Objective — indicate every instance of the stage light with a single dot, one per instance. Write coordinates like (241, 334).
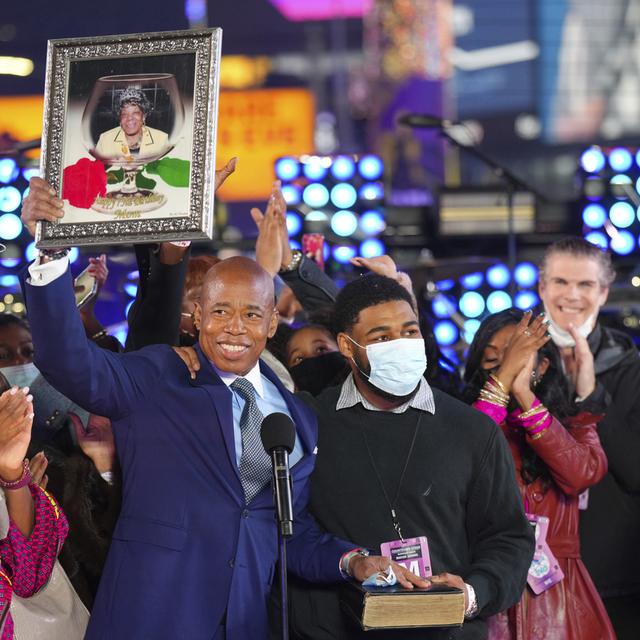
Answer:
(472, 280)
(74, 254)
(131, 289)
(287, 169)
(442, 306)
(126, 311)
(623, 243)
(498, 276)
(594, 215)
(9, 281)
(470, 328)
(294, 223)
(372, 248)
(10, 199)
(291, 194)
(598, 238)
(592, 160)
(526, 300)
(498, 301)
(446, 332)
(343, 253)
(294, 244)
(371, 191)
(445, 285)
(622, 214)
(343, 168)
(344, 223)
(315, 195)
(471, 304)
(10, 226)
(594, 188)
(315, 168)
(25, 193)
(621, 185)
(9, 263)
(372, 223)
(8, 170)
(526, 274)
(620, 159)
(316, 216)
(343, 195)
(370, 167)
(30, 172)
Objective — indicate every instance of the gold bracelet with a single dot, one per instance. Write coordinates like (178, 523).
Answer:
(534, 411)
(101, 334)
(493, 399)
(535, 436)
(539, 423)
(495, 378)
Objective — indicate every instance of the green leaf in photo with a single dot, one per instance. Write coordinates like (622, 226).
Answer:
(143, 182)
(173, 171)
(115, 176)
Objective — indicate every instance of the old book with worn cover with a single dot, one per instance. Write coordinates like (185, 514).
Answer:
(399, 608)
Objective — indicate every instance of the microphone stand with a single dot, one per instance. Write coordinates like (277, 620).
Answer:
(284, 604)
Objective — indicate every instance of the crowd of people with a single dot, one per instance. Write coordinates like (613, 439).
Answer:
(520, 473)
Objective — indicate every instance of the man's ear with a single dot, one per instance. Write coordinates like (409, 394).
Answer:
(273, 323)
(197, 315)
(604, 294)
(345, 345)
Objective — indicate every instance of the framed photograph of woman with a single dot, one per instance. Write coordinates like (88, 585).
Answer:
(129, 137)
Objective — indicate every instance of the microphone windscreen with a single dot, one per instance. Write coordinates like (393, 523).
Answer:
(278, 430)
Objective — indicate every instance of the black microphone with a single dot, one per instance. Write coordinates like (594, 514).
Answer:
(426, 121)
(278, 434)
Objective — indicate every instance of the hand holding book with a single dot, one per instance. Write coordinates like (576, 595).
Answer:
(361, 567)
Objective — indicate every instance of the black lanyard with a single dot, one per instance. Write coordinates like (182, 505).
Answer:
(392, 505)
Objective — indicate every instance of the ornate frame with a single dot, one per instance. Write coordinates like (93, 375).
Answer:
(198, 225)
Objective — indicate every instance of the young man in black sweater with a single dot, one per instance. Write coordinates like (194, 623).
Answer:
(396, 458)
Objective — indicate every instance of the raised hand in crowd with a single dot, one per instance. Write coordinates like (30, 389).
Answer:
(16, 419)
(385, 266)
(96, 441)
(578, 365)
(528, 337)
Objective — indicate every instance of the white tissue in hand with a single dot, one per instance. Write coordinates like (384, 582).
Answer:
(381, 579)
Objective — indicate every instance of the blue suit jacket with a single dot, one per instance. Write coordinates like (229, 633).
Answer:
(186, 549)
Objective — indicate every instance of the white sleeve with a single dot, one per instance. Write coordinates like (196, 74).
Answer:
(43, 274)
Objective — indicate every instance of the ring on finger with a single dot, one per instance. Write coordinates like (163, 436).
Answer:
(527, 333)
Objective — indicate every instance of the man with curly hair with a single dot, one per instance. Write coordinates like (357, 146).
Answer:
(132, 138)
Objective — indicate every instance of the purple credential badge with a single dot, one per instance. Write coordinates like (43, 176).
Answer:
(412, 553)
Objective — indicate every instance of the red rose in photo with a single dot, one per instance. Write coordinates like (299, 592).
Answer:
(83, 182)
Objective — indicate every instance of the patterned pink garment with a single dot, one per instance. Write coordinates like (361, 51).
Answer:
(27, 563)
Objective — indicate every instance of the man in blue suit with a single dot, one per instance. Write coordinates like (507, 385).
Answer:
(195, 547)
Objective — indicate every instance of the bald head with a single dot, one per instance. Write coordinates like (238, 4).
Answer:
(236, 314)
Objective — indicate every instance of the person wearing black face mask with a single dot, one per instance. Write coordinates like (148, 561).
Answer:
(514, 375)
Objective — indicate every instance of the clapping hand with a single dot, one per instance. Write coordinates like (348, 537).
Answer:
(96, 441)
(580, 368)
(272, 245)
(16, 418)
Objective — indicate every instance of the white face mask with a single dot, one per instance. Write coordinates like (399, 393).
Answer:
(396, 365)
(562, 338)
(20, 375)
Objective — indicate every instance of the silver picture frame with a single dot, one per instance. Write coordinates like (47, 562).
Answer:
(164, 189)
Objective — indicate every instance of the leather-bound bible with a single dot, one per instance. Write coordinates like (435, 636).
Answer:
(399, 608)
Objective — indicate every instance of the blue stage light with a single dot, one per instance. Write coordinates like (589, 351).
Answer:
(446, 332)
(315, 195)
(526, 300)
(372, 248)
(623, 243)
(498, 301)
(498, 276)
(315, 168)
(621, 185)
(30, 172)
(598, 238)
(371, 191)
(343, 195)
(287, 169)
(325, 252)
(291, 194)
(294, 223)
(316, 216)
(526, 274)
(10, 226)
(8, 170)
(622, 214)
(9, 281)
(343, 168)
(344, 223)
(74, 254)
(294, 244)
(445, 285)
(10, 199)
(9, 263)
(25, 193)
(131, 289)
(470, 328)
(472, 280)
(471, 304)
(442, 306)
(593, 160)
(31, 253)
(620, 159)
(343, 253)
(372, 222)
(370, 167)
(594, 215)
(126, 311)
